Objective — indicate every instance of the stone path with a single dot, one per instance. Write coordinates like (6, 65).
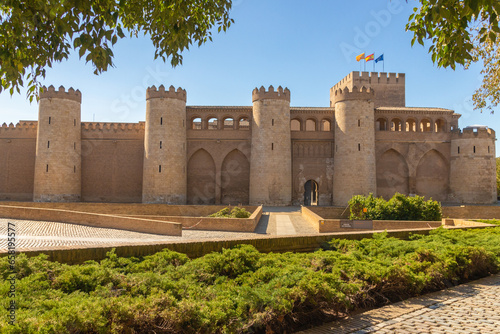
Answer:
(469, 308)
(284, 225)
(38, 235)
(284, 221)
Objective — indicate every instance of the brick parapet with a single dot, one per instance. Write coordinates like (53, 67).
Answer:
(51, 92)
(161, 93)
(262, 94)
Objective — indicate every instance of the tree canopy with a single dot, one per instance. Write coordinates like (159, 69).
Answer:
(463, 32)
(36, 33)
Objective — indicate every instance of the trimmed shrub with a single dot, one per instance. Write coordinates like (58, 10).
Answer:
(236, 212)
(241, 290)
(399, 207)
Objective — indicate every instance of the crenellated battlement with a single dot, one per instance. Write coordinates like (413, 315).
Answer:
(354, 94)
(280, 94)
(51, 92)
(371, 78)
(21, 126)
(473, 133)
(161, 93)
(115, 127)
(389, 87)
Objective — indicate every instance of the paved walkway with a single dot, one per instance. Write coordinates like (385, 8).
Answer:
(47, 235)
(469, 308)
(283, 221)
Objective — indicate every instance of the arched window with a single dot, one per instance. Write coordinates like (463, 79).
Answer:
(425, 125)
(411, 125)
(326, 125)
(381, 124)
(213, 123)
(396, 125)
(295, 124)
(228, 123)
(196, 123)
(310, 125)
(440, 126)
(243, 123)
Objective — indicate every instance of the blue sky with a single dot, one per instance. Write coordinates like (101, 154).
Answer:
(307, 46)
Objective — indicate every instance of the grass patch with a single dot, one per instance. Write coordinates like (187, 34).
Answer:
(241, 290)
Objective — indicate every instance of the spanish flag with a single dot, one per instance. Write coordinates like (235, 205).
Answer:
(370, 57)
(361, 56)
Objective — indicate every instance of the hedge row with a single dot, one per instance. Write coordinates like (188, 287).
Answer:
(240, 290)
(399, 207)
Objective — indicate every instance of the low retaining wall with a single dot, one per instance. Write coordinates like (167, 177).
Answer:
(131, 209)
(147, 218)
(458, 211)
(330, 212)
(92, 219)
(341, 225)
(193, 249)
(213, 224)
(472, 211)
(311, 217)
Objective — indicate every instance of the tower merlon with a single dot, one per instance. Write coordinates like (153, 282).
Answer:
(280, 94)
(161, 93)
(473, 133)
(355, 94)
(51, 92)
(371, 78)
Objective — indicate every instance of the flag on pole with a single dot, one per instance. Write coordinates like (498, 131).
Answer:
(379, 58)
(361, 56)
(369, 57)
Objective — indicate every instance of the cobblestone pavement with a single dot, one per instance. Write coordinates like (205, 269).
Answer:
(469, 308)
(38, 235)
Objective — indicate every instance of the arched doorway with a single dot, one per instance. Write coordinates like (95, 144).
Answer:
(310, 193)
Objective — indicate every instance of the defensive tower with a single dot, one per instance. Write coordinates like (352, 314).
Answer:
(354, 170)
(389, 88)
(473, 166)
(58, 148)
(271, 163)
(164, 175)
